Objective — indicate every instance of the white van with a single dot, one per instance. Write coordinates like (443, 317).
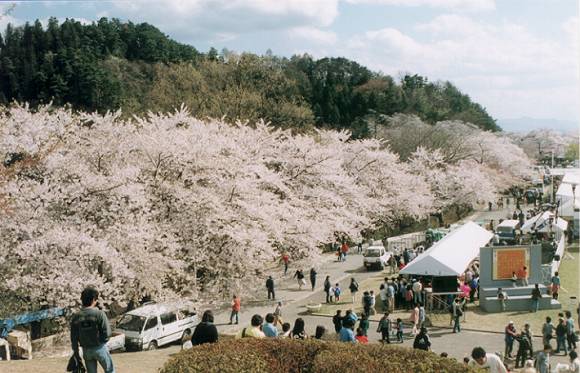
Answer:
(154, 325)
(376, 256)
(506, 231)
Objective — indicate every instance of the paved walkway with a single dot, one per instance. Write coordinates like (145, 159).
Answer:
(294, 301)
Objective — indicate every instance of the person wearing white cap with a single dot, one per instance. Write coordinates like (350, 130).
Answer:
(510, 336)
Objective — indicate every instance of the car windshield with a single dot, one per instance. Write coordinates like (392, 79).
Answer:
(131, 322)
(373, 253)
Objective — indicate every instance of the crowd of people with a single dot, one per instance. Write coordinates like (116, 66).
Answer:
(399, 293)
(90, 330)
(352, 328)
(564, 333)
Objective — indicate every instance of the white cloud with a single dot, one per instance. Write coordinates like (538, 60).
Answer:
(458, 5)
(393, 39)
(571, 28)
(6, 10)
(83, 21)
(504, 66)
(222, 37)
(200, 20)
(449, 24)
(5, 20)
(102, 14)
(313, 35)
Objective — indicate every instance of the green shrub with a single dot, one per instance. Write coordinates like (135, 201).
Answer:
(311, 356)
(348, 360)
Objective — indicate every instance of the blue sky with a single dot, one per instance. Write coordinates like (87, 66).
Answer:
(518, 58)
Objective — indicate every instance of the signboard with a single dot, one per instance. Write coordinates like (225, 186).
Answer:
(509, 259)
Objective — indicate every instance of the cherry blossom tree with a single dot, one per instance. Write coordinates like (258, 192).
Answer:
(167, 205)
(504, 162)
(464, 184)
(541, 143)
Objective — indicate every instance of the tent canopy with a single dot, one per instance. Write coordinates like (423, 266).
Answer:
(544, 222)
(452, 255)
(571, 177)
(565, 191)
(568, 208)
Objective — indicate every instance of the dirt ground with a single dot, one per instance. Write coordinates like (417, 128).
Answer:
(135, 362)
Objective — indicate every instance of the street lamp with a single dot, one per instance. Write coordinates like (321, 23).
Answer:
(571, 231)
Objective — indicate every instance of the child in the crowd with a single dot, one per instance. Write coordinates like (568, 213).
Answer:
(285, 330)
(337, 292)
(514, 279)
(400, 330)
(364, 323)
(361, 337)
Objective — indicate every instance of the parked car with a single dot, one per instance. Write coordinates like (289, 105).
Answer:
(154, 325)
(116, 342)
(376, 256)
(506, 230)
(537, 182)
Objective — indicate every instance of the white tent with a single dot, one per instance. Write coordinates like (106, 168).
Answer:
(451, 255)
(544, 222)
(565, 192)
(569, 201)
(569, 207)
(571, 177)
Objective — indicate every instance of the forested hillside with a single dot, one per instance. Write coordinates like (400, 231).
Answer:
(110, 64)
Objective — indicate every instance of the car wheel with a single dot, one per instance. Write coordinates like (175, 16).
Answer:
(152, 346)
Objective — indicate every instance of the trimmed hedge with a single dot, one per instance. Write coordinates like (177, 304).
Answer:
(272, 355)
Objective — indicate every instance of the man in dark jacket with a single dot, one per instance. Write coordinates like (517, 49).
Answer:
(205, 331)
(337, 321)
(524, 349)
(313, 274)
(90, 329)
(536, 296)
(270, 287)
(327, 286)
(422, 340)
(367, 302)
(385, 328)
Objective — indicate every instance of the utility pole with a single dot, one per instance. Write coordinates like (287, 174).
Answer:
(552, 195)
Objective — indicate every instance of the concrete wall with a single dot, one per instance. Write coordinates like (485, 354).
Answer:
(519, 297)
(486, 266)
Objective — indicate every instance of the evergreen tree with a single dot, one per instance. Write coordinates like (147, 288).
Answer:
(110, 64)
